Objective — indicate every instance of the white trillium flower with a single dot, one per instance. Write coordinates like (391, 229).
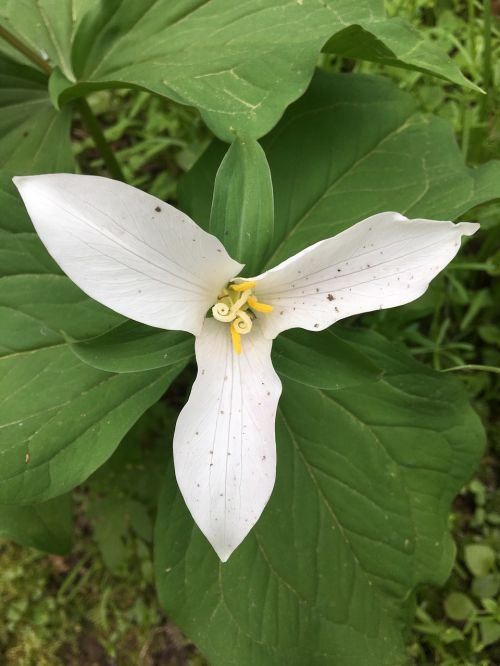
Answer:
(148, 261)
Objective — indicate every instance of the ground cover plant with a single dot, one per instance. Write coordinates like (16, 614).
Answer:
(379, 424)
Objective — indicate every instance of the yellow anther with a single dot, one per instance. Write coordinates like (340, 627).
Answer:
(237, 306)
(243, 286)
(259, 307)
(236, 339)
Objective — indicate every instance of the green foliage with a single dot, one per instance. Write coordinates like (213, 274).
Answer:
(358, 132)
(34, 137)
(394, 42)
(242, 210)
(46, 526)
(46, 622)
(154, 140)
(480, 559)
(61, 611)
(462, 27)
(372, 445)
(60, 419)
(332, 363)
(123, 493)
(337, 449)
(175, 50)
(133, 347)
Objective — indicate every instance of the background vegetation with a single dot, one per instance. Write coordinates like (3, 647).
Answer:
(98, 605)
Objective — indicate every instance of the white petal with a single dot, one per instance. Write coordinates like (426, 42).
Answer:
(383, 261)
(224, 441)
(127, 249)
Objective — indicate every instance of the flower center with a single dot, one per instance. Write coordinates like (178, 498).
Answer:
(236, 305)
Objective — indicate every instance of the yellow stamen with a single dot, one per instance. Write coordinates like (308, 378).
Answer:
(243, 286)
(259, 307)
(236, 339)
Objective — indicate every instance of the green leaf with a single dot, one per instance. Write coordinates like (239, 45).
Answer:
(490, 633)
(242, 214)
(60, 419)
(458, 606)
(357, 146)
(133, 347)
(486, 586)
(357, 520)
(240, 63)
(46, 526)
(46, 26)
(124, 492)
(111, 518)
(330, 362)
(34, 137)
(395, 42)
(480, 559)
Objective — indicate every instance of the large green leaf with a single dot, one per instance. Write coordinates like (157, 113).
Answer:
(366, 472)
(241, 63)
(123, 493)
(60, 419)
(330, 362)
(393, 42)
(353, 146)
(132, 347)
(47, 526)
(34, 137)
(357, 520)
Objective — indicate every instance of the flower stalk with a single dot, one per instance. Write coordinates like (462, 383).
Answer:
(95, 130)
(25, 50)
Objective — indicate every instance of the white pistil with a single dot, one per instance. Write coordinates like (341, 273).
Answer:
(242, 324)
(233, 308)
(222, 312)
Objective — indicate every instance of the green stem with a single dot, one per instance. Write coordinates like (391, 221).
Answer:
(466, 122)
(91, 123)
(472, 29)
(25, 50)
(472, 266)
(473, 366)
(487, 69)
(95, 131)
